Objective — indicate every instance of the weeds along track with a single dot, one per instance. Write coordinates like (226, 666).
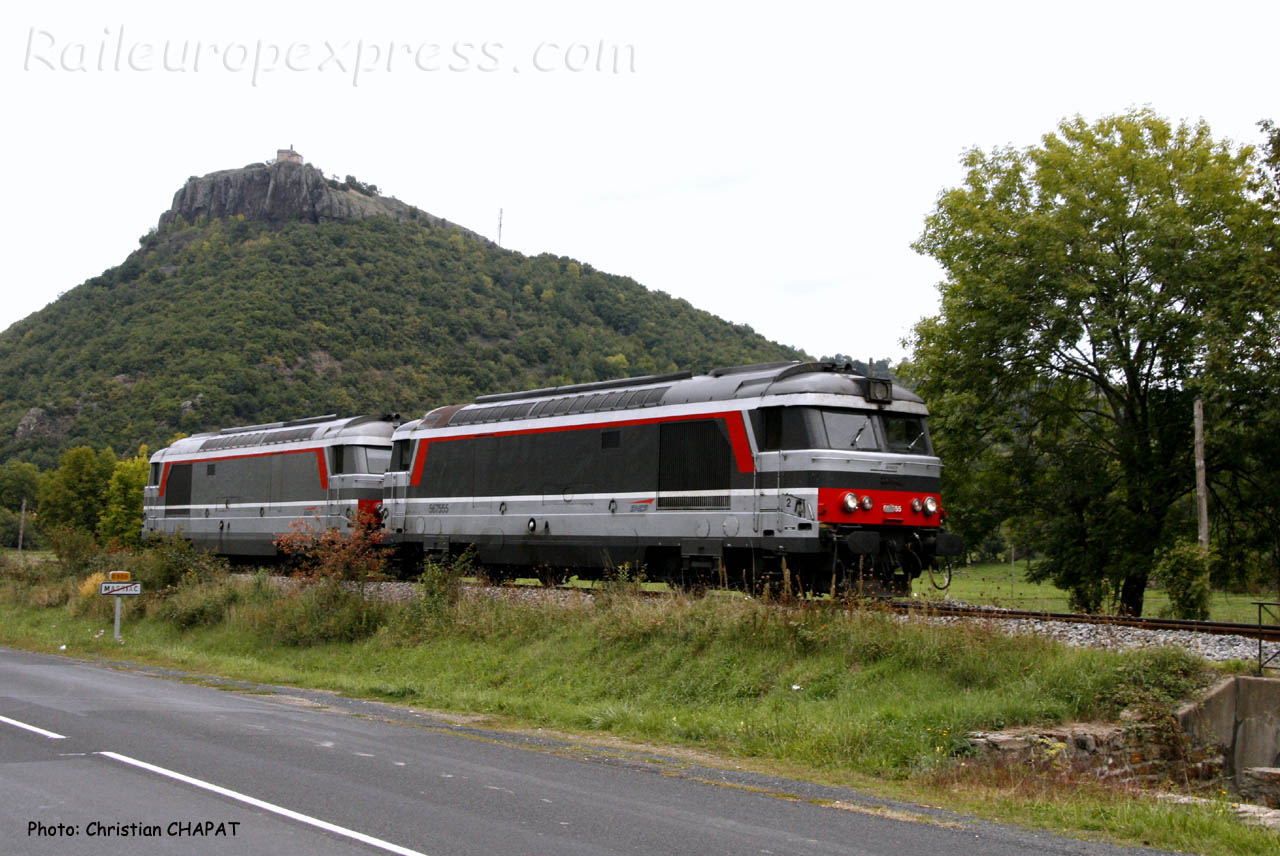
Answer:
(1264, 633)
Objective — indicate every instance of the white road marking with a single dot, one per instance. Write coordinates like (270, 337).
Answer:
(265, 806)
(39, 731)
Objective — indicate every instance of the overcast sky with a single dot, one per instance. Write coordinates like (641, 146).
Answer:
(770, 163)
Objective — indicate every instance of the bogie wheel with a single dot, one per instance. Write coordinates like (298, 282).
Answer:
(552, 577)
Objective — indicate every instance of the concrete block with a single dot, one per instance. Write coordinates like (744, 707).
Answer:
(1212, 720)
(1260, 786)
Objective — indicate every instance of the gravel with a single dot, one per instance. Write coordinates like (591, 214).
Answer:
(1211, 646)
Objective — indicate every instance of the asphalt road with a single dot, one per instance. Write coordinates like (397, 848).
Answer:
(94, 757)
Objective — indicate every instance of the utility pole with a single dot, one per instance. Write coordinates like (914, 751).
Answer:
(499, 227)
(1012, 553)
(1202, 491)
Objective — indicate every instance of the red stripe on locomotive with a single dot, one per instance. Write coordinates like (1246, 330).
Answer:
(736, 427)
(322, 466)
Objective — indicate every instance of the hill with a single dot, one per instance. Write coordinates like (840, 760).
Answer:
(272, 292)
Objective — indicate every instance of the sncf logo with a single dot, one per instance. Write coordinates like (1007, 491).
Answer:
(893, 509)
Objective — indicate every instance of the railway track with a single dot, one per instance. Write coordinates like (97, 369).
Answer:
(1264, 633)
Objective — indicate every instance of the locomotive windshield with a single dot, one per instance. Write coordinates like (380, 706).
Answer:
(849, 429)
(906, 434)
(835, 428)
(360, 459)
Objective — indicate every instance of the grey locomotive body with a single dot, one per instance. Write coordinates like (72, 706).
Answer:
(235, 492)
(803, 470)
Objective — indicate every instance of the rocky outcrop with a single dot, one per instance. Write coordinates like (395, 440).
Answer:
(37, 422)
(282, 192)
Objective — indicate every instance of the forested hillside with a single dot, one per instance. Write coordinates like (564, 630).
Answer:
(234, 320)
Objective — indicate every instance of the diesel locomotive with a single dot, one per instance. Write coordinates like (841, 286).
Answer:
(799, 474)
(236, 491)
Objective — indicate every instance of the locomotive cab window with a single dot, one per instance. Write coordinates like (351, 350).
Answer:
(401, 455)
(360, 459)
(906, 434)
(154, 479)
(849, 429)
(787, 428)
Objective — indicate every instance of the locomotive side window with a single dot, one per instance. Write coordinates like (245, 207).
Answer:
(906, 434)
(155, 475)
(401, 458)
(786, 428)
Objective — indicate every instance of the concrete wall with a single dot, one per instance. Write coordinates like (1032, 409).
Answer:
(1240, 717)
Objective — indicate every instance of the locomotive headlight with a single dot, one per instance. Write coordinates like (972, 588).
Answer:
(930, 506)
(867, 502)
(915, 505)
(850, 502)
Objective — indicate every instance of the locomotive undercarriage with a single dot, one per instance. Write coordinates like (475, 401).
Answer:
(842, 561)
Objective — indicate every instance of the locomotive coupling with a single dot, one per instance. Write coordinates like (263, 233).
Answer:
(863, 543)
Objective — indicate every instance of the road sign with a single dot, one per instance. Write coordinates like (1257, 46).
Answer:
(119, 576)
(120, 588)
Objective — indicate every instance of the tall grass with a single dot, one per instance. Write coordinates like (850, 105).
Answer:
(847, 692)
(858, 690)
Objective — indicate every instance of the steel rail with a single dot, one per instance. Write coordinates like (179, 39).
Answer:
(1267, 633)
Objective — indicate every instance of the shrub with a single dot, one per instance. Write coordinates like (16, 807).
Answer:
(164, 564)
(333, 555)
(438, 591)
(328, 611)
(199, 604)
(1183, 571)
(77, 552)
(87, 602)
(622, 581)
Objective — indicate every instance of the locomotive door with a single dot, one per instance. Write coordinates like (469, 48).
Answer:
(768, 494)
(777, 429)
(332, 507)
(399, 489)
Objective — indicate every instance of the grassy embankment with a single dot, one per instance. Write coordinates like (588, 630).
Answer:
(850, 697)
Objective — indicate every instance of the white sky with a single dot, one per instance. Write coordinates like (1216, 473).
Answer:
(770, 163)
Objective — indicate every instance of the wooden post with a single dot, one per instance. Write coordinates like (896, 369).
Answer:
(22, 522)
(1012, 554)
(1202, 491)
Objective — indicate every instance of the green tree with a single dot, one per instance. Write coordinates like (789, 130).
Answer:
(1243, 415)
(121, 517)
(71, 496)
(1093, 282)
(19, 480)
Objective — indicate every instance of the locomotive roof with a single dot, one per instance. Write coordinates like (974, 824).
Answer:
(294, 431)
(725, 384)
